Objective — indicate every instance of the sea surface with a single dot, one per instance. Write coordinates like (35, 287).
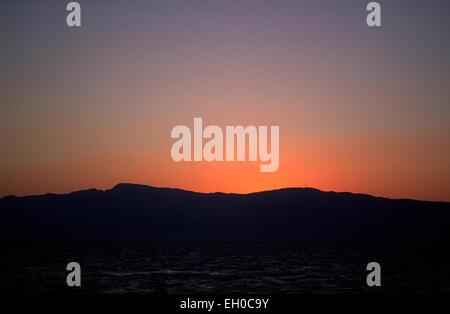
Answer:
(239, 267)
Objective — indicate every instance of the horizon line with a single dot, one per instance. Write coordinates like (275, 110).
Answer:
(218, 192)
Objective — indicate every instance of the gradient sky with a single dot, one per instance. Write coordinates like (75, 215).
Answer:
(360, 109)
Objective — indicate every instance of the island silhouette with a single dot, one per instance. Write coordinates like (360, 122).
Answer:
(132, 211)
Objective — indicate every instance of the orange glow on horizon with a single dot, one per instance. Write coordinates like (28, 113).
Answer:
(315, 162)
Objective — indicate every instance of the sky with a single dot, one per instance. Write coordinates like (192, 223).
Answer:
(360, 109)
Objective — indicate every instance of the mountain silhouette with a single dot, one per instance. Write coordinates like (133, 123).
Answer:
(130, 211)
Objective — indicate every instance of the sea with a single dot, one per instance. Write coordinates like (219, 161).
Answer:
(221, 267)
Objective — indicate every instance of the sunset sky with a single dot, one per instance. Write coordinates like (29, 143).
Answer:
(360, 109)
